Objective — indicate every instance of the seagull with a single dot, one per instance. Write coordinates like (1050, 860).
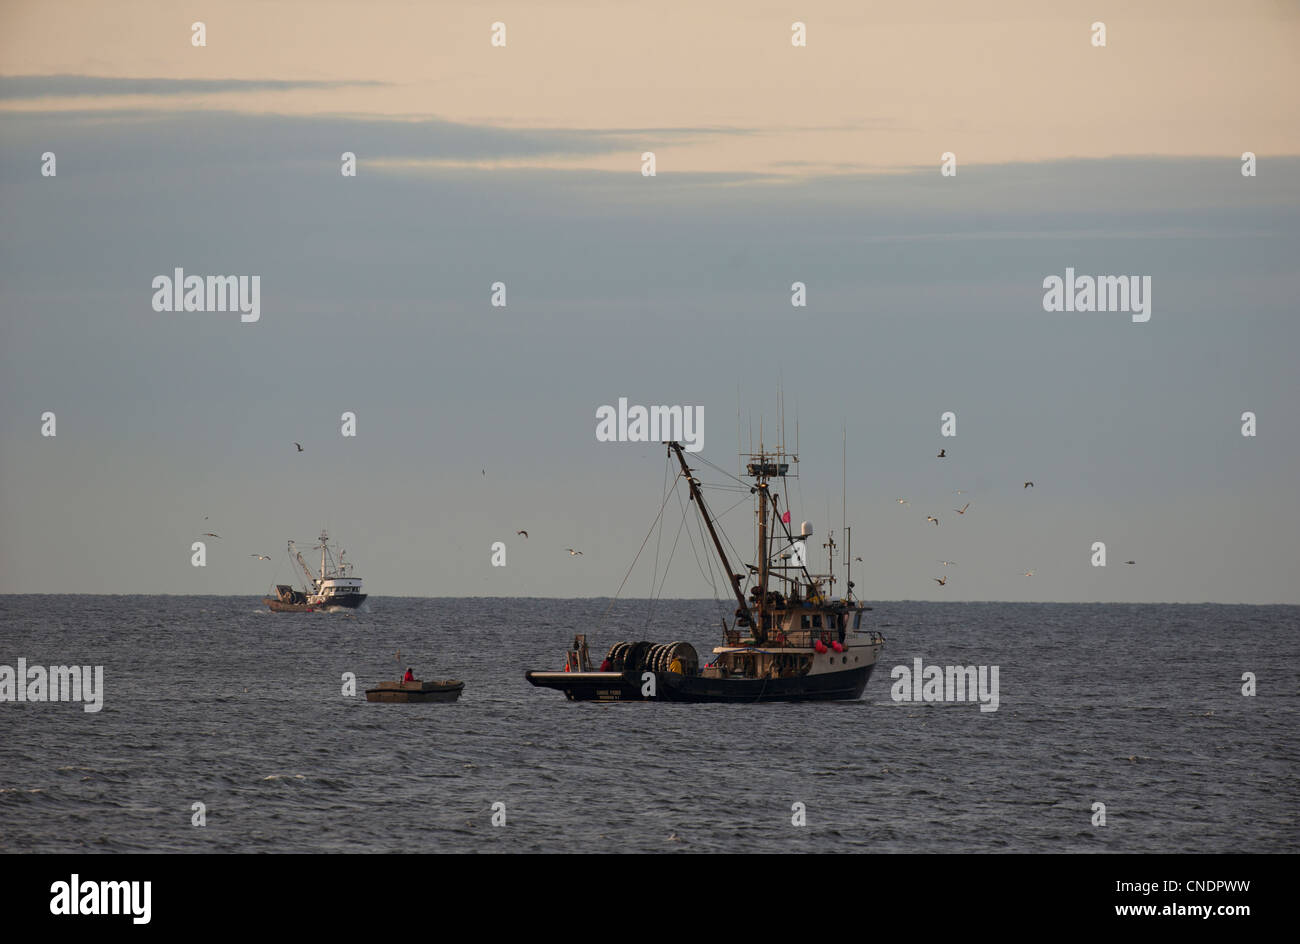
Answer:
(524, 533)
(1029, 485)
(484, 471)
(947, 563)
(902, 501)
(960, 491)
(932, 518)
(259, 556)
(857, 558)
(1027, 573)
(1130, 562)
(299, 445)
(940, 580)
(943, 454)
(962, 509)
(572, 552)
(209, 534)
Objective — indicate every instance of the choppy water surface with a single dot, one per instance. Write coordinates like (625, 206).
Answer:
(219, 701)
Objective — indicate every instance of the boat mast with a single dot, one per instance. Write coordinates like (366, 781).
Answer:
(698, 498)
(764, 550)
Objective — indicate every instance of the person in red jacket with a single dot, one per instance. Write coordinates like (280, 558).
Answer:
(409, 676)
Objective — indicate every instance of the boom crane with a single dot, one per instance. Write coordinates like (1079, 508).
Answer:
(296, 555)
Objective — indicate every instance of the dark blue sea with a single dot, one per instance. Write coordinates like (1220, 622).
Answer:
(215, 700)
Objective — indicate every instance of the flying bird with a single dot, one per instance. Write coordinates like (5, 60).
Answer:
(943, 454)
(572, 552)
(960, 491)
(209, 534)
(524, 533)
(1027, 573)
(940, 580)
(1130, 562)
(947, 563)
(857, 558)
(932, 518)
(259, 556)
(902, 501)
(962, 509)
(299, 445)
(1029, 485)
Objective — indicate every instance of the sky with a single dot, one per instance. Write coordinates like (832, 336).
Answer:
(522, 164)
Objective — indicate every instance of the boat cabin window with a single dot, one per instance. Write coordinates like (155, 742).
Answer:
(804, 621)
(817, 621)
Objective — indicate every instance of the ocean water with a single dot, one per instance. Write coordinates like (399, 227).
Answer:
(215, 700)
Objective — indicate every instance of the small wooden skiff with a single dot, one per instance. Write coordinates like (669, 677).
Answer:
(445, 690)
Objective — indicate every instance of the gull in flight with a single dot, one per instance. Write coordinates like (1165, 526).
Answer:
(962, 509)
(524, 533)
(943, 454)
(572, 552)
(857, 558)
(1027, 573)
(940, 580)
(209, 534)
(1029, 485)
(902, 501)
(1130, 562)
(259, 556)
(947, 563)
(932, 518)
(960, 491)
(299, 445)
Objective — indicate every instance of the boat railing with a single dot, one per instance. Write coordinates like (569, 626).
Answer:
(801, 638)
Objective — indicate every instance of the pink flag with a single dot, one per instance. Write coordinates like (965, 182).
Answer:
(786, 518)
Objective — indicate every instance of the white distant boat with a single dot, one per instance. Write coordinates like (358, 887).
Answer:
(335, 585)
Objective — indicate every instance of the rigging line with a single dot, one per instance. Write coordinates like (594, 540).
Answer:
(658, 541)
(600, 622)
(798, 483)
(717, 519)
(723, 471)
(790, 537)
(675, 540)
(685, 513)
(748, 489)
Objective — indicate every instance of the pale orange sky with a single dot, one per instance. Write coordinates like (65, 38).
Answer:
(879, 86)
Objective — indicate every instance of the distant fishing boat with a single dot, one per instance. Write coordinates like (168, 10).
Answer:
(416, 691)
(334, 586)
(789, 643)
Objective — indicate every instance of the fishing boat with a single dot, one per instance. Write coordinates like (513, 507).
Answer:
(334, 586)
(789, 639)
(416, 691)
